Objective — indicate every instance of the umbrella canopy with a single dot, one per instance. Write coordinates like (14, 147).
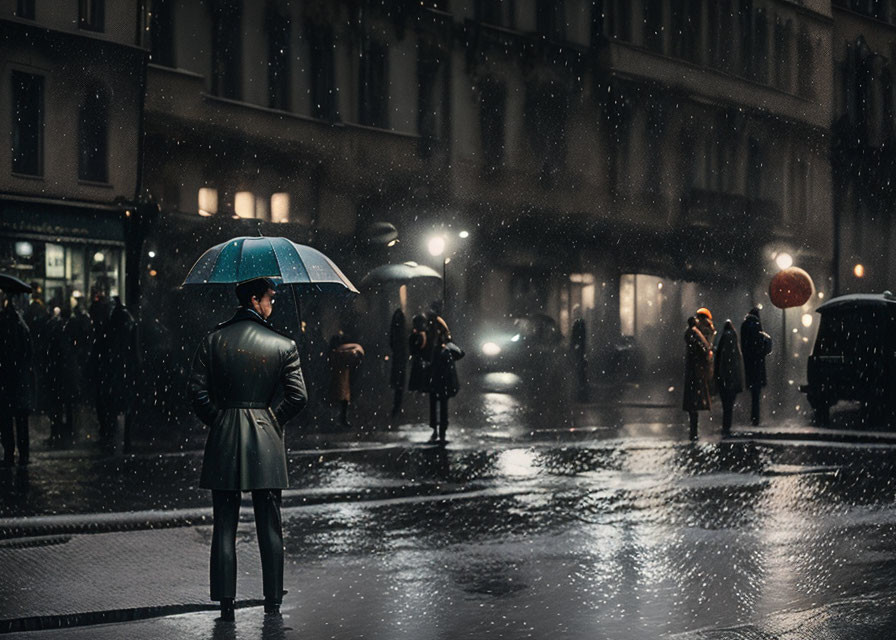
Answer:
(399, 273)
(11, 284)
(246, 258)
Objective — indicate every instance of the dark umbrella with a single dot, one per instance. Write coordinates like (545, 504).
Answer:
(399, 273)
(11, 284)
(246, 258)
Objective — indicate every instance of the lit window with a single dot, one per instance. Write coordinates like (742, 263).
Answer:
(280, 207)
(208, 201)
(244, 204)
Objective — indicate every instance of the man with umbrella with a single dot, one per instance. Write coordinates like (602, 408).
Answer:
(16, 374)
(236, 371)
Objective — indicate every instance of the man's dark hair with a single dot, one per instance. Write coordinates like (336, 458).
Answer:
(245, 291)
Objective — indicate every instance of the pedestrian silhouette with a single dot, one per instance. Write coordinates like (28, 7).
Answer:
(755, 345)
(728, 372)
(443, 382)
(236, 371)
(345, 356)
(116, 370)
(63, 377)
(697, 373)
(398, 343)
(16, 383)
(578, 351)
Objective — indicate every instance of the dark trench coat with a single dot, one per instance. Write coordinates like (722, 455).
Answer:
(697, 372)
(237, 370)
(753, 347)
(16, 362)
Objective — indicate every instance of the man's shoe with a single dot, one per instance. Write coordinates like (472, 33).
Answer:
(271, 608)
(227, 610)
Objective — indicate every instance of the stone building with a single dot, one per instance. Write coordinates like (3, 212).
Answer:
(863, 144)
(73, 84)
(630, 160)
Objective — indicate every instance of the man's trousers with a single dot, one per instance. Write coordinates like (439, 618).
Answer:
(226, 506)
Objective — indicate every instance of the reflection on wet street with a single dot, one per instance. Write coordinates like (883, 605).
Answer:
(543, 522)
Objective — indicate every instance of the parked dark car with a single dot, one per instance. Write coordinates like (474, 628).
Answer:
(520, 343)
(854, 357)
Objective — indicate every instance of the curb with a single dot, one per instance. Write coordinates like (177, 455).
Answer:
(64, 621)
(860, 437)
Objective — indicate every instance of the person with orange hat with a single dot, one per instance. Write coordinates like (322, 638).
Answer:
(698, 367)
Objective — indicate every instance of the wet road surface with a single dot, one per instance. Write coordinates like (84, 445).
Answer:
(584, 523)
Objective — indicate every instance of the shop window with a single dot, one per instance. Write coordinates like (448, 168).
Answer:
(25, 9)
(244, 204)
(91, 14)
(226, 49)
(805, 63)
(27, 123)
(373, 109)
(93, 129)
(280, 207)
(641, 301)
(208, 201)
(277, 26)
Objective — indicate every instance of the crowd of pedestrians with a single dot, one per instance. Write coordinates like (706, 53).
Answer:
(56, 359)
(724, 366)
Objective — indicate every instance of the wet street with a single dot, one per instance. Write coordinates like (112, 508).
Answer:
(590, 521)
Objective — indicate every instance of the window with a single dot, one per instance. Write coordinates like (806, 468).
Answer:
(428, 102)
(492, 102)
(280, 207)
(25, 9)
(208, 201)
(93, 129)
(755, 167)
(323, 71)
(549, 18)
(617, 19)
(244, 204)
(783, 56)
(805, 63)
(91, 14)
(161, 33)
(226, 49)
(653, 25)
(27, 123)
(373, 85)
(277, 27)
(488, 11)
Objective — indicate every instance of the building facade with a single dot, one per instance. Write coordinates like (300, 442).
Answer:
(70, 176)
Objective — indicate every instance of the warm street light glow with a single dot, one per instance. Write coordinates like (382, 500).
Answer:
(436, 245)
(98, 256)
(859, 271)
(464, 234)
(151, 254)
(807, 320)
(784, 260)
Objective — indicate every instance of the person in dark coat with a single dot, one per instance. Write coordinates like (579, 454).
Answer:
(16, 383)
(419, 352)
(577, 350)
(728, 372)
(444, 383)
(116, 369)
(398, 343)
(755, 344)
(236, 371)
(437, 336)
(63, 377)
(697, 374)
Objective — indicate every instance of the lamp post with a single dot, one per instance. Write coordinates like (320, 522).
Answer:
(784, 261)
(436, 246)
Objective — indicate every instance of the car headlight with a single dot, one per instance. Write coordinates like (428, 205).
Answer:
(491, 349)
